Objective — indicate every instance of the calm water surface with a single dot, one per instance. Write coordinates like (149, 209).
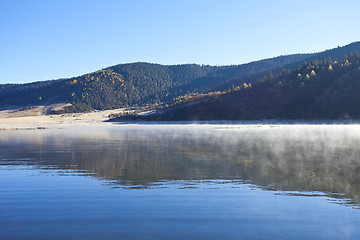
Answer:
(181, 182)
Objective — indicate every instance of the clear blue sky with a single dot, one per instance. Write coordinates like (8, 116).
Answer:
(42, 40)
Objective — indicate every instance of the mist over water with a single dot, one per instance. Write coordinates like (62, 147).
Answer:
(292, 158)
(289, 163)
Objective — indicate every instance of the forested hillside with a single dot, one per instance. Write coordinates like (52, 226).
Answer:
(332, 54)
(131, 85)
(150, 85)
(118, 86)
(326, 89)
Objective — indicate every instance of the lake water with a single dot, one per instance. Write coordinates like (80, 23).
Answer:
(181, 182)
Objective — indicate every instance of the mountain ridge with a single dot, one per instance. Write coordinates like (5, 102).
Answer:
(150, 84)
(139, 83)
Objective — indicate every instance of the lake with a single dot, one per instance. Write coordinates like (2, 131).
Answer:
(181, 182)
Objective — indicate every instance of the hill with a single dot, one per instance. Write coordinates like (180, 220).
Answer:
(331, 54)
(150, 85)
(114, 87)
(132, 85)
(326, 89)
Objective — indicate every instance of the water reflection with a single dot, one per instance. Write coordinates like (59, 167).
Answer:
(320, 159)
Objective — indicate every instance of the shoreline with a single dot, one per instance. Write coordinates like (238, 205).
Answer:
(34, 119)
(243, 122)
(100, 118)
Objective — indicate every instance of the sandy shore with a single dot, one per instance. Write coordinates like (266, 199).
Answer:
(8, 120)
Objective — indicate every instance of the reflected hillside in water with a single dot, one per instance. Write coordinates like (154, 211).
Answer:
(285, 158)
